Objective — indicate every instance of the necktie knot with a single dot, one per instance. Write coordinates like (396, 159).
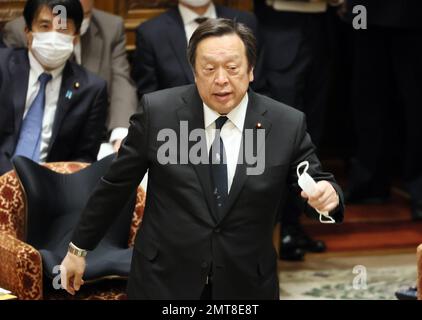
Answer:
(219, 123)
(201, 20)
(44, 78)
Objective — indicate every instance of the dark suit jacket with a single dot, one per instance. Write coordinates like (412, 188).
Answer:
(2, 45)
(181, 239)
(390, 13)
(104, 54)
(79, 122)
(160, 60)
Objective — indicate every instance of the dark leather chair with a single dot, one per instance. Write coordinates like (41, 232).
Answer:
(37, 216)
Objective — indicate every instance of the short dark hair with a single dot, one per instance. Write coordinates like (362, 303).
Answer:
(74, 10)
(218, 28)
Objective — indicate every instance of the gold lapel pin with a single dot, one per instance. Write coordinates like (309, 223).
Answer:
(259, 125)
(77, 85)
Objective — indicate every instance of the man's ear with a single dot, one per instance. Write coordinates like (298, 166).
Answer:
(251, 76)
(29, 37)
(194, 74)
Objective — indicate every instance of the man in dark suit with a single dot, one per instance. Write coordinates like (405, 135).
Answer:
(52, 109)
(160, 58)
(208, 233)
(297, 68)
(102, 51)
(2, 45)
(386, 101)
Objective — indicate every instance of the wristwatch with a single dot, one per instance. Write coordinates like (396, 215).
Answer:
(77, 251)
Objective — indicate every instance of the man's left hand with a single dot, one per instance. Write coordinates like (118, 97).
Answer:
(325, 199)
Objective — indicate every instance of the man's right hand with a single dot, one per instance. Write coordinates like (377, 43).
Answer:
(72, 269)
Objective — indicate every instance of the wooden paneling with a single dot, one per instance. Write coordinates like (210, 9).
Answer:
(134, 12)
(10, 10)
(106, 5)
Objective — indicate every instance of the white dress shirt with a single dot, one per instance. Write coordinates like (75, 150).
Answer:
(188, 17)
(52, 92)
(231, 134)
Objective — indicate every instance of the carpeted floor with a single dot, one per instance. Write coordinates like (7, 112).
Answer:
(345, 276)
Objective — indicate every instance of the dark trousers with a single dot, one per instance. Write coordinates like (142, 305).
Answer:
(387, 98)
(297, 65)
(298, 71)
(207, 292)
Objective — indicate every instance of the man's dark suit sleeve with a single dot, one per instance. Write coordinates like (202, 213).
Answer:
(305, 151)
(115, 189)
(144, 69)
(90, 136)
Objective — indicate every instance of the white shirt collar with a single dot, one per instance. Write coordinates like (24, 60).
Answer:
(188, 16)
(237, 116)
(38, 69)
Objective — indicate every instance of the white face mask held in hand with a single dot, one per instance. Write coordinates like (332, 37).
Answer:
(52, 49)
(195, 3)
(85, 25)
(308, 184)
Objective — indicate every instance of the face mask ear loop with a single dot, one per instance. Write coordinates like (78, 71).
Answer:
(329, 220)
(322, 216)
(300, 166)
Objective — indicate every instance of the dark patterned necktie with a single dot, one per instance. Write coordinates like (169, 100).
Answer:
(218, 165)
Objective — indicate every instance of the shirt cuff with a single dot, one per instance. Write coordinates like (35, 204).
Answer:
(118, 134)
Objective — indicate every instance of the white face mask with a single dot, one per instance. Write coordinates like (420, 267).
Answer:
(85, 25)
(195, 3)
(52, 49)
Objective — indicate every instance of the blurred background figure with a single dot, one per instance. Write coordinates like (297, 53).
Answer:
(51, 109)
(160, 60)
(2, 45)
(297, 68)
(101, 50)
(386, 101)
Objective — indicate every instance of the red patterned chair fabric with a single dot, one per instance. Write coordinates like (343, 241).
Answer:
(21, 265)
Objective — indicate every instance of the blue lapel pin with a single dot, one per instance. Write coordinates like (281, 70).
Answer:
(69, 94)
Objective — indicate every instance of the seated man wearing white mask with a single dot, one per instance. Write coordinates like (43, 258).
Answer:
(101, 50)
(51, 109)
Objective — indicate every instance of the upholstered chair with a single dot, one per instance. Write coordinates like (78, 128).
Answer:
(21, 266)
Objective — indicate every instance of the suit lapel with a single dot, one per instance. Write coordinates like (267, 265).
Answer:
(254, 115)
(92, 39)
(64, 102)
(20, 71)
(177, 36)
(193, 113)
